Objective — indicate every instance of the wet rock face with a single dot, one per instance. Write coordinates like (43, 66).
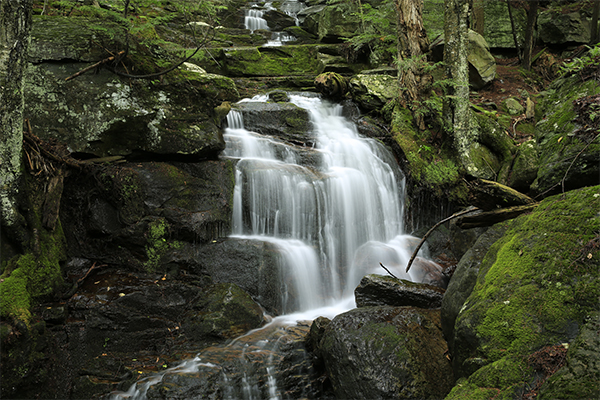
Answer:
(378, 290)
(285, 121)
(406, 361)
(147, 215)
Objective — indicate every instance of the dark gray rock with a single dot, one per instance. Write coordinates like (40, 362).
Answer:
(251, 264)
(464, 278)
(285, 121)
(386, 352)
(556, 28)
(379, 290)
(223, 312)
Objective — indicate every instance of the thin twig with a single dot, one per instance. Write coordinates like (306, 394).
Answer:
(86, 69)
(388, 271)
(455, 215)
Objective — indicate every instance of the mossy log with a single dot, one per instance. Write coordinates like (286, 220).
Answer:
(489, 195)
(492, 217)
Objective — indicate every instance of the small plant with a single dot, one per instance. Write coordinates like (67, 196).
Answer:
(591, 60)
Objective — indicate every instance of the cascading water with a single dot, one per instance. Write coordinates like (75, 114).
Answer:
(332, 219)
(253, 20)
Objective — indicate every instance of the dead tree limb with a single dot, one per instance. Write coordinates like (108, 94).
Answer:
(86, 69)
(388, 271)
(488, 218)
(455, 215)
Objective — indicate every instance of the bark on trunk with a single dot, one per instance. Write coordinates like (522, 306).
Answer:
(478, 17)
(532, 12)
(595, 37)
(15, 27)
(412, 44)
(456, 102)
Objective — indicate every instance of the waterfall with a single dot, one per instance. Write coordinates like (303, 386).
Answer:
(253, 20)
(333, 220)
(319, 214)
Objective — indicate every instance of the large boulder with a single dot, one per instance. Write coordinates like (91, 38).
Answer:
(536, 287)
(556, 28)
(146, 215)
(568, 153)
(331, 22)
(285, 121)
(372, 92)
(101, 114)
(482, 64)
(464, 279)
(525, 166)
(386, 352)
(379, 290)
(251, 264)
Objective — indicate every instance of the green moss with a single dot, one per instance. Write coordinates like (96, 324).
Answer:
(157, 237)
(543, 282)
(32, 275)
(429, 166)
(466, 390)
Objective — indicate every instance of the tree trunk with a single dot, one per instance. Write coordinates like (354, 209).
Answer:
(513, 29)
(529, 33)
(595, 37)
(15, 27)
(412, 44)
(456, 102)
(478, 24)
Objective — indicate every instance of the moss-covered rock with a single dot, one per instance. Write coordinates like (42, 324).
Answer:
(566, 151)
(536, 287)
(524, 167)
(331, 21)
(271, 61)
(556, 27)
(102, 115)
(386, 352)
(372, 91)
(83, 39)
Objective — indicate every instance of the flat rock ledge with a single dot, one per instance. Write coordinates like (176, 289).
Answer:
(379, 290)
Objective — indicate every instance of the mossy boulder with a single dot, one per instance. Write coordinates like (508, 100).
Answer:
(556, 28)
(386, 352)
(536, 287)
(146, 215)
(482, 65)
(291, 60)
(101, 115)
(567, 150)
(524, 167)
(373, 91)
(83, 39)
(332, 21)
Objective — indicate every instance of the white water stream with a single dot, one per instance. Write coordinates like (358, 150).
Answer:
(333, 221)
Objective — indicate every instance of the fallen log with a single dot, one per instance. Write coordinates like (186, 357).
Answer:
(492, 217)
(489, 195)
